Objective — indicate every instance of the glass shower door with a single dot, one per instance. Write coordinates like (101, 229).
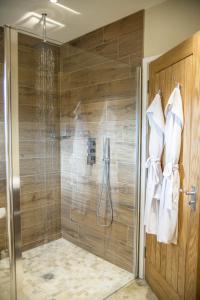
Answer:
(31, 156)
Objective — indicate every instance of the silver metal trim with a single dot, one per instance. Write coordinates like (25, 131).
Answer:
(138, 163)
(12, 156)
(10, 225)
(49, 41)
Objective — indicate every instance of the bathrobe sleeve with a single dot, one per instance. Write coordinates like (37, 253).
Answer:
(154, 180)
(168, 215)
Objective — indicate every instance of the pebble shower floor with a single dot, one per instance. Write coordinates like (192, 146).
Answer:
(60, 270)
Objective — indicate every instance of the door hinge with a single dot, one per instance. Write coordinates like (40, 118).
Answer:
(145, 252)
(148, 86)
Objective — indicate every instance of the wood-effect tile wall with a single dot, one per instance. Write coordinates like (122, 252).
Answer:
(39, 147)
(98, 98)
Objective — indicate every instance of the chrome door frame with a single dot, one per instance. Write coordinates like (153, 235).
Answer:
(11, 112)
(138, 167)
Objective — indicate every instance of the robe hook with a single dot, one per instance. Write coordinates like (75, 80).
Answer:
(159, 92)
(177, 83)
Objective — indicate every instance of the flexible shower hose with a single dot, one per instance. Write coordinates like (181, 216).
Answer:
(105, 186)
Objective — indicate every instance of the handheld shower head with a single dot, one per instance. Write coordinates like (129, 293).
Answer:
(106, 149)
(105, 192)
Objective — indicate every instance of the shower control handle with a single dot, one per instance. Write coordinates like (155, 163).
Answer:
(192, 194)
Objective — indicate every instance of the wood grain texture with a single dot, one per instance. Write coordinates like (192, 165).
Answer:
(193, 251)
(98, 98)
(159, 285)
(171, 270)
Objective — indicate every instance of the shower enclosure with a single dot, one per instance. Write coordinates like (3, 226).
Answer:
(60, 178)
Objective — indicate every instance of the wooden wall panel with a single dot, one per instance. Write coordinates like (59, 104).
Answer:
(98, 97)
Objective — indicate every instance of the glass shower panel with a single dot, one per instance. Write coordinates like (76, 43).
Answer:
(39, 141)
(5, 280)
(39, 154)
(100, 101)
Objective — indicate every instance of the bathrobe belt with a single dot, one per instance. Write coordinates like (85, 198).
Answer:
(169, 183)
(155, 164)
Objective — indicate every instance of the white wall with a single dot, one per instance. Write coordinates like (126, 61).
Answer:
(169, 23)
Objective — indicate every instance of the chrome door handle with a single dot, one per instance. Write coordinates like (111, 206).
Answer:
(192, 194)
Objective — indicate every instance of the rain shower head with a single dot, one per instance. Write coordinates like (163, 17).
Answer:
(44, 43)
(37, 25)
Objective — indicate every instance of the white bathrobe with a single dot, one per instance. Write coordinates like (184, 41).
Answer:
(168, 214)
(154, 181)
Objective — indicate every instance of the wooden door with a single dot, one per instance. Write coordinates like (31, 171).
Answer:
(171, 270)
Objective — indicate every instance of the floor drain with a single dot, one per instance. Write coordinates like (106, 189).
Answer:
(48, 276)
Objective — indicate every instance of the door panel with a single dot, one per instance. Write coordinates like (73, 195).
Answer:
(170, 267)
(192, 288)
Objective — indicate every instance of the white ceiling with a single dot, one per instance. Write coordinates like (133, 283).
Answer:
(93, 14)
